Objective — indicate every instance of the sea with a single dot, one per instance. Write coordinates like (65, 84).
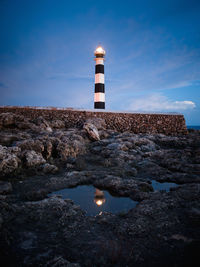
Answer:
(194, 127)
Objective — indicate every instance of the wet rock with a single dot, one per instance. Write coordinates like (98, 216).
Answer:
(70, 179)
(92, 131)
(188, 192)
(5, 187)
(145, 187)
(56, 183)
(117, 185)
(33, 159)
(180, 178)
(137, 195)
(78, 178)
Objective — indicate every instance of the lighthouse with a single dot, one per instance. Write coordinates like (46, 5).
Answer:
(99, 93)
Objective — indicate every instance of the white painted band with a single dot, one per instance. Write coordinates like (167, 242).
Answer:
(99, 61)
(99, 97)
(99, 78)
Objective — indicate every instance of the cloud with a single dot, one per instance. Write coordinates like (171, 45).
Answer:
(158, 102)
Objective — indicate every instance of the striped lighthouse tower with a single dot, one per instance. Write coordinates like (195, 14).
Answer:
(99, 94)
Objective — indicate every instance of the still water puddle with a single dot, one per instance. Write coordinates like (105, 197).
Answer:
(162, 186)
(95, 201)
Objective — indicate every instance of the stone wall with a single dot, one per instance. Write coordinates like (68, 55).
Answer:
(169, 124)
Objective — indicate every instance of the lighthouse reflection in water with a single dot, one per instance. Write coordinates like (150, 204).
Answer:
(99, 197)
(95, 201)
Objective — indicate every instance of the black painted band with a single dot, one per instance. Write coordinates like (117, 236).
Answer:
(100, 105)
(99, 88)
(99, 68)
(99, 55)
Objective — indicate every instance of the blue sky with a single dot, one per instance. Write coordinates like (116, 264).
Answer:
(152, 54)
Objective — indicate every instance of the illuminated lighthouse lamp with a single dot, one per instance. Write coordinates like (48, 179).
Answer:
(99, 94)
(99, 51)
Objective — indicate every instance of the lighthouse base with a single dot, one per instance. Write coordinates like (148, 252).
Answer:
(99, 105)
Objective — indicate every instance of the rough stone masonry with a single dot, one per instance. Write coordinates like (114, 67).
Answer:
(169, 124)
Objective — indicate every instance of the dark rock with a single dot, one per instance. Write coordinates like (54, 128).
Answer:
(5, 187)
(161, 230)
(59, 261)
(139, 195)
(80, 164)
(35, 195)
(1, 221)
(49, 168)
(145, 187)
(194, 215)
(180, 178)
(172, 142)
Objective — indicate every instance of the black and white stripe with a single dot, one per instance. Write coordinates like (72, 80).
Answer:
(99, 94)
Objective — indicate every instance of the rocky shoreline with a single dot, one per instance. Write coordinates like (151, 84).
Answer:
(38, 157)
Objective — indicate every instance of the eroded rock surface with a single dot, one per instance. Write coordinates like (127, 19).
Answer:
(38, 157)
